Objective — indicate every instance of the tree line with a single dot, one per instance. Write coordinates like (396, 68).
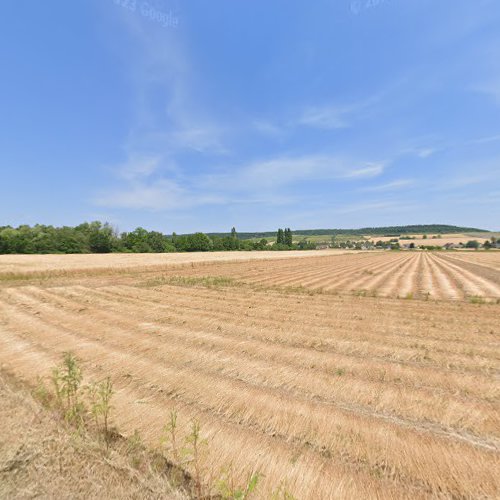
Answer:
(374, 231)
(98, 237)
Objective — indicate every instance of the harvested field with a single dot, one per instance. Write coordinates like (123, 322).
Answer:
(327, 396)
(18, 265)
(440, 275)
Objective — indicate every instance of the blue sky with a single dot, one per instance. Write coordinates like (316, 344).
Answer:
(184, 115)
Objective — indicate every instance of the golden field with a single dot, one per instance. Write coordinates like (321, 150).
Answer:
(332, 375)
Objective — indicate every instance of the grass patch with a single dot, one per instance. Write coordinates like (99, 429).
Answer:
(476, 299)
(191, 281)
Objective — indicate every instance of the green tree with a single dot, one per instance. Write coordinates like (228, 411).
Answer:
(198, 242)
(472, 244)
(280, 237)
(100, 238)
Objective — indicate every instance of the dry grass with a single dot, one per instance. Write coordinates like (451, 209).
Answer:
(330, 396)
(41, 457)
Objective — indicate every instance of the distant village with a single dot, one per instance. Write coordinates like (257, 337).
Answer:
(423, 242)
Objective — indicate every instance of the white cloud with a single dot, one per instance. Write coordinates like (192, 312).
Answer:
(421, 152)
(160, 195)
(278, 172)
(138, 167)
(327, 117)
(370, 170)
(425, 153)
(390, 186)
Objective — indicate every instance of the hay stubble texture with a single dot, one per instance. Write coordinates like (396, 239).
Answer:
(334, 394)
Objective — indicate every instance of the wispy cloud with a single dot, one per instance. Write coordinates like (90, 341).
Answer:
(158, 195)
(490, 88)
(486, 140)
(170, 116)
(138, 167)
(390, 186)
(281, 171)
(425, 153)
(326, 117)
(421, 152)
(142, 182)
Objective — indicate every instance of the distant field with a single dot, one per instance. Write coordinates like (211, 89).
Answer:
(292, 366)
(19, 264)
(418, 238)
(430, 240)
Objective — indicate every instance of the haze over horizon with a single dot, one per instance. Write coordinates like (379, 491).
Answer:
(195, 116)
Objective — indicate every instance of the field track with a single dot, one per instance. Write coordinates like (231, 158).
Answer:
(329, 395)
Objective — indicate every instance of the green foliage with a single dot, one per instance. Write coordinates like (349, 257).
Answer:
(72, 400)
(197, 242)
(66, 380)
(98, 237)
(170, 438)
(472, 244)
(193, 450)
(284, 239)
(100, 398)
(280, 237)
(281, 493)
(476, 299)
(229, 490)
(136, 449)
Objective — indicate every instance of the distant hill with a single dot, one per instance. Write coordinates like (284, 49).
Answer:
(376, 231)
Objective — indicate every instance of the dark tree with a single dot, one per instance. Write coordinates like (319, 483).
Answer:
(280, 237)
